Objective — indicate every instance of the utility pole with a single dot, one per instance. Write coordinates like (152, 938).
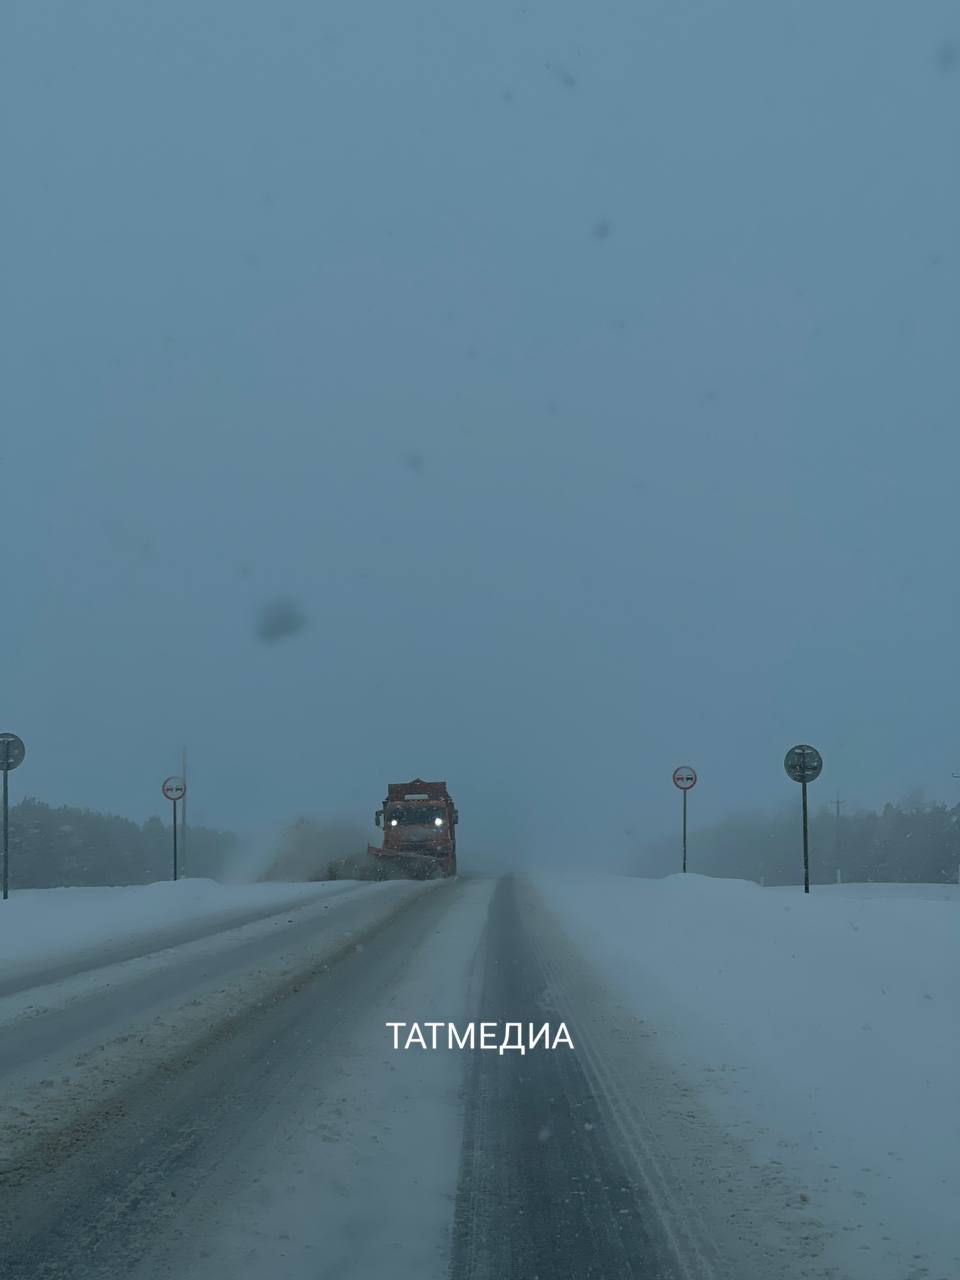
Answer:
(836, 838)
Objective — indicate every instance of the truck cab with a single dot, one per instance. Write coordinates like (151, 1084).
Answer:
(419, 823)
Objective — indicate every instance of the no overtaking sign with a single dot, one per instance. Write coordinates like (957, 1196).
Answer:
(685, 778)
(175, 789)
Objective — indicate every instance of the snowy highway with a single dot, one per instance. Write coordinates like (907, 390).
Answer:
(99, 956)
(513, 444)
(233, 1104)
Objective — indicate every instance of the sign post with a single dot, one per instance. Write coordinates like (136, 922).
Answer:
(12, 752)
(803, 765)
(685, 778)
(183, 809)
(174, 789)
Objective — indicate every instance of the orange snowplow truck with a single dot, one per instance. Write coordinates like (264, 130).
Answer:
(419, 830)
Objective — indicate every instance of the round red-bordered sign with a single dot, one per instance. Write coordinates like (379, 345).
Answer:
(174, 788)
(684, 777)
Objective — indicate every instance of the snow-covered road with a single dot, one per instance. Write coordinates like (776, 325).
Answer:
(50, 934)
(234, 1106)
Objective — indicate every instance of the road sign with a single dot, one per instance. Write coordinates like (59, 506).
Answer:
(803, 763)
(12, 751)
(684, 777)
(174, 789)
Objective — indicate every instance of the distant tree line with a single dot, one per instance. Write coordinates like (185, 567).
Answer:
(914, 841)
(911, 842)
(52, 847)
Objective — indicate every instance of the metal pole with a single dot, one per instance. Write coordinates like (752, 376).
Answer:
(174, 839)
(806, 850)
(684, 832)
(183, 808)
(6, 832)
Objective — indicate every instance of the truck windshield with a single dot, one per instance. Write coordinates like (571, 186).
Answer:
(415, 815)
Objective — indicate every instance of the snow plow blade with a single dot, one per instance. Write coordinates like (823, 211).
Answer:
(411, 866)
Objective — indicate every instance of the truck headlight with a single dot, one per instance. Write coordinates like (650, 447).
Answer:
(438, 822)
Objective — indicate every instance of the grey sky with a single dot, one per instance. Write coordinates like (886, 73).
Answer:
(588, 374)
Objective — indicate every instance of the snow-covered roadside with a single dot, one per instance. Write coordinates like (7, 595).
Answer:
(823, 1030)
(40, 927)
(185, 960)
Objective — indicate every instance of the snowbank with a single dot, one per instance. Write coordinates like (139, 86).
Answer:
(40, 926)
(825, 1030)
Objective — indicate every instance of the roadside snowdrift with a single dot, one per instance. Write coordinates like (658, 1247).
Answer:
(824, 1030)
(47, 925)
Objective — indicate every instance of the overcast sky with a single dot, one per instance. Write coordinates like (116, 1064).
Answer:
(587, 375)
